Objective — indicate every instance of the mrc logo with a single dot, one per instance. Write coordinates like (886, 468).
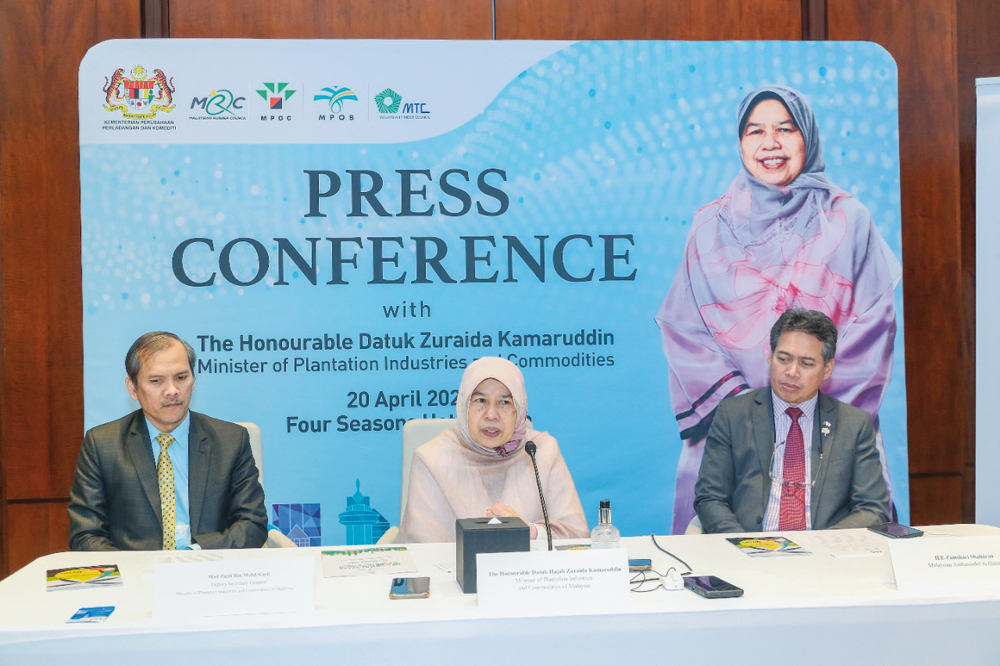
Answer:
(221, 104)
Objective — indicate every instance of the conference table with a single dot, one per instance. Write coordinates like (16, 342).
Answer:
(817, 609)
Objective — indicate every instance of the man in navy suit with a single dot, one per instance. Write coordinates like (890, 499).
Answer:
(165, 477)
(787, 457)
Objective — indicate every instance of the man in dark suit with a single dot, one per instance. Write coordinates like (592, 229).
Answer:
(787, 457)
(165, 477)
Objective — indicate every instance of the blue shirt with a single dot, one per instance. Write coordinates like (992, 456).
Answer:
(178, 453)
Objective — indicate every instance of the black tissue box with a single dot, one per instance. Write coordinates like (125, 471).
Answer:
(476, 535)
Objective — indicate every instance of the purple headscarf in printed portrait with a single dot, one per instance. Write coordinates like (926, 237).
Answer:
(753, 253)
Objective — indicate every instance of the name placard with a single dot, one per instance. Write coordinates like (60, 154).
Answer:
(187, 591)
(567, 579)
(946, 563)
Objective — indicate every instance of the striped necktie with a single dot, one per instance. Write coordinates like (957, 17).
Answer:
(792, 514)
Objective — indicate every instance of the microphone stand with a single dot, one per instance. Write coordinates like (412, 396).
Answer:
(530, 449)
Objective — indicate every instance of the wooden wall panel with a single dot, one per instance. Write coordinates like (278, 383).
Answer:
(937, 499)
(980, 58)
(42, 347)
(332, 19)
(649, 19)
(41, 351)
(922, 37)
(36, 529)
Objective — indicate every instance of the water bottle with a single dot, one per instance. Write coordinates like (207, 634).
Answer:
(605, 535)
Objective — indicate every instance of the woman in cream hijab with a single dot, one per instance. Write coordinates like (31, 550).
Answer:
(479, 468)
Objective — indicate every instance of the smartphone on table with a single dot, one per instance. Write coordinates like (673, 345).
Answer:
(410, 588)
(712, 587)
(641, 564)
(895, 531)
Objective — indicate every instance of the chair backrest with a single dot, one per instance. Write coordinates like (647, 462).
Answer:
(694, 527)
(255, 447)
(275, 539)
(415, 433)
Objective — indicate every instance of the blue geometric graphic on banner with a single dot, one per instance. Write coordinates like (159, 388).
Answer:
(364, 524)
(300, 523)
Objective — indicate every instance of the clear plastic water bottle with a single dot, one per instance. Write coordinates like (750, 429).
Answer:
(605, 535)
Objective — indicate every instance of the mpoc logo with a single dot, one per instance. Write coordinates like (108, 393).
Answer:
(138, 97)
(335, 98)
(276, 95)
(390, 104)
(219, 104)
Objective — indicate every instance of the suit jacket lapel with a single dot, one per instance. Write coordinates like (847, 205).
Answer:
(199, 455)
(762, 420)
(140, 451)
(822, 445)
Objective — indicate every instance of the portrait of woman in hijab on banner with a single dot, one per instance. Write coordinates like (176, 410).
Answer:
(479, 467)
(782, 236)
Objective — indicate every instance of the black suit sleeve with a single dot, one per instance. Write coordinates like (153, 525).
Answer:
(867, 496)
(246, 514)
(88, 503)
(717, 477)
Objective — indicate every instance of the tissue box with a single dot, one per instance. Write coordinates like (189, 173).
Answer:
(476, 535)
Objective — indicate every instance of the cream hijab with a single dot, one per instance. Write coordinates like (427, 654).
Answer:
(508, 374)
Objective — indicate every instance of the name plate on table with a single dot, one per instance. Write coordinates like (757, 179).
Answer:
(566, 579)
(192, 590)
(934, 563)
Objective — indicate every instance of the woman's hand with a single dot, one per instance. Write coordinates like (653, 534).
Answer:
(503, 511)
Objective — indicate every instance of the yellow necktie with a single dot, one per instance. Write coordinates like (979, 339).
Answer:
(165, 475)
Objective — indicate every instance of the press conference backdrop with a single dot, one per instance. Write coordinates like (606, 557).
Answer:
(340, 227)
(987, 313)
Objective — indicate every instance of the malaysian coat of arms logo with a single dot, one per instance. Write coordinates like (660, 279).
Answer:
(140, 94)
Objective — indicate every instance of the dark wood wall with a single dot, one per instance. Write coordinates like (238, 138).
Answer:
(940, 46)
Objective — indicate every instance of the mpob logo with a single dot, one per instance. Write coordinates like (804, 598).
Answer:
(334, 99)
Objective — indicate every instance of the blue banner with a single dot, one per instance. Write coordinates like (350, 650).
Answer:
(340, 227)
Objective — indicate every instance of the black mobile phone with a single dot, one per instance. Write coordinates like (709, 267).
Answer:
(640, 565)
(895, 531)
(711, 587)
(410, 588)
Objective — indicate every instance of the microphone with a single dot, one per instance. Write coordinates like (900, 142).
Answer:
(530, 450)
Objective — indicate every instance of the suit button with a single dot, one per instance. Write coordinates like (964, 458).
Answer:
(760, 520)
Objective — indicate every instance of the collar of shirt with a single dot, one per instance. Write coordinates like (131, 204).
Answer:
(808, 408)
(180, 434)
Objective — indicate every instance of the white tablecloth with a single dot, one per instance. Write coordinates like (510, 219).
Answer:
(816, 608)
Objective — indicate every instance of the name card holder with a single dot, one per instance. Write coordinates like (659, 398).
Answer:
(561, 580)
(953, 563)
(186, 592)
